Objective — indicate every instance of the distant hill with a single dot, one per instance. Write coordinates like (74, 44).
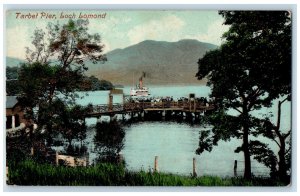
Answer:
(13, 62)
(162, 62)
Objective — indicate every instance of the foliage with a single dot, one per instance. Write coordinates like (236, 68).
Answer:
(70, 122)
(94, 84)
(109, 140)
(54, 72)
(282, 138)
(250, 69)
(69, 44)
(28, 172)
(12, 83)
(12, 73)
(12, 87)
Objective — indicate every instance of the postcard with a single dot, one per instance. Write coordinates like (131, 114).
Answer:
(191, 98)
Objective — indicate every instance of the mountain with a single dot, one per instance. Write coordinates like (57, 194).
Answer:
(159, 61)
(13, 62)
(162, 63)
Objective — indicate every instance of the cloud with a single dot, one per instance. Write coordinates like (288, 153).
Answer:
(166, 29)
(16, 41)
(213, 34)
(107, 46)
(19, 37)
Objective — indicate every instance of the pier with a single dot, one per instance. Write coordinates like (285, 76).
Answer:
(187, 107)
(139, 107)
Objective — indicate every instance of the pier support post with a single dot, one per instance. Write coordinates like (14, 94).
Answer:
(110, 102)
(113, 117)
(99, 119)
(142, 114)
(194, 167)
(156, 164)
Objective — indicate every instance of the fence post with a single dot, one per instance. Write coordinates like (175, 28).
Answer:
(235, 168)
(194, 167)
(87, 158)
(31, 151)
(156, 164)
(56, 158)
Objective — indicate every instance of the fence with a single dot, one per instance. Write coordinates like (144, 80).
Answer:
(237, 171)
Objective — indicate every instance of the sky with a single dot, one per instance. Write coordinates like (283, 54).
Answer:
(119, 29)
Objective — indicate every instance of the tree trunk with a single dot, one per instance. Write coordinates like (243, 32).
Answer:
(245, 127)
(247, 171)
(282, 170)
(282, 163)
(49, 134)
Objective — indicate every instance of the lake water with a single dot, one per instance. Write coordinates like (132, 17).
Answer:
(175, 143)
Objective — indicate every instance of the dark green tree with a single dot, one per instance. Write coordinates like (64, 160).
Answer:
(54, 69)
(12, 73)
(94, 84)
(109, 140)
(249, 70)
(12, 83)
(282, 138)
(70, 122)
(67, 47)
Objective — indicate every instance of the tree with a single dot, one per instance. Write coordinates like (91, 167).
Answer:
(282, 138)
(67, 47)
(109, 140)
(70, 122)
(12, 83)
(55, 67)
(94, 84)
(248, 71)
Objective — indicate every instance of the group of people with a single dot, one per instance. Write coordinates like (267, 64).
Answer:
(168, 99)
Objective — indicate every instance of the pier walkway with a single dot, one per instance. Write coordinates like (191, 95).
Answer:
(137, 107)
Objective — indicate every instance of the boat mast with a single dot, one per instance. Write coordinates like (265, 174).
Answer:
(133, 79)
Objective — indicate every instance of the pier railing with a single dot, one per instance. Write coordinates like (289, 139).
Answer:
(139, 106)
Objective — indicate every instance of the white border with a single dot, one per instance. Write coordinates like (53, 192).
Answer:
(159, 4)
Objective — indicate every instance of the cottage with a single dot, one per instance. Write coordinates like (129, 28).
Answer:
(14, 114)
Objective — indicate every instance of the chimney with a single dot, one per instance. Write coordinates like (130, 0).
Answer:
(141, 82)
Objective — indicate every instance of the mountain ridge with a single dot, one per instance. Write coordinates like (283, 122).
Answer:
(162, 62)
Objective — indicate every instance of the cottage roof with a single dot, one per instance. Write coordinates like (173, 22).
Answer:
(11, 101)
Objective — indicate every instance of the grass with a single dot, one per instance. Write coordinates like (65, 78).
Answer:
(29, 172)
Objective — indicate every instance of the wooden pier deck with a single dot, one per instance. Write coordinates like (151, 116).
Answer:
(129, 107)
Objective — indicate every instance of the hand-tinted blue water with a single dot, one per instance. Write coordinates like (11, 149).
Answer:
(175, 146)
(175, 143)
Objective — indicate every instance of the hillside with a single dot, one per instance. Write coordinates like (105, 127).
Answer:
(162, 62)
(13, 62)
